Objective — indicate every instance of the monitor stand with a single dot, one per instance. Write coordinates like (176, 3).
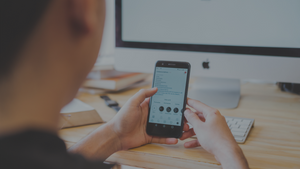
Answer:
(216, 92)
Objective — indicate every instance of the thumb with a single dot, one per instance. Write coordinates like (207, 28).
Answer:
(192, 117)
(140, 96)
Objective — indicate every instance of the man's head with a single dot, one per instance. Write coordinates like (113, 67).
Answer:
(47, 49)
(73, 28)
(18, 18)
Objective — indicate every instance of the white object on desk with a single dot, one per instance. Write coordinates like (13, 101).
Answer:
(77, 113)
(239, 127)
(76, 106)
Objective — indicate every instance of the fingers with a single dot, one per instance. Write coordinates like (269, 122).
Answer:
(197, 105)
(140, 96)
(162, 140)
(186, 127)
(201, 116)
(192, 117)
(187, 134)
(145, 103)
(200, 107)
(191, 144)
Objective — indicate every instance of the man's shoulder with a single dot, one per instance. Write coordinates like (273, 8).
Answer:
(38, 160)
(35, 149)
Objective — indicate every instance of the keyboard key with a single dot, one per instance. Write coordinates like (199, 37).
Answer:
(240, 134)
(237, 120)
(229, 119)
(230, 123)
(235, 126)
(239, 138)
(238, 130)
(246, 122)
(244, 126)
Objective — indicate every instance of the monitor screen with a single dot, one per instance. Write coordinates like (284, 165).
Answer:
(261, 27)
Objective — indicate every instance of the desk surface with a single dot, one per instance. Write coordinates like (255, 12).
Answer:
(274, 142)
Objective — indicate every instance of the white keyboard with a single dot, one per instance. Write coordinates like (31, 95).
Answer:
(239, 127)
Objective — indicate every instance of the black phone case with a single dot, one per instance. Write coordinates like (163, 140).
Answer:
(167, 130)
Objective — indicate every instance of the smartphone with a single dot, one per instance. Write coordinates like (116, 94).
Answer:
(167, 106)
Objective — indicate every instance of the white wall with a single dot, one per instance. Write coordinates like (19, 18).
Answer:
(108, 39)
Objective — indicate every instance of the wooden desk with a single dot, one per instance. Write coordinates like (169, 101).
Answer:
(274, 142)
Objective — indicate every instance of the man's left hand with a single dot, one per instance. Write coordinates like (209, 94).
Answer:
(130, 122)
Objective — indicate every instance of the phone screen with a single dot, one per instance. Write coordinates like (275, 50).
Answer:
(167, 104)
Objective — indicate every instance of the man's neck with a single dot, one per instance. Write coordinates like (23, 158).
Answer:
(27, 101)
(22, 114)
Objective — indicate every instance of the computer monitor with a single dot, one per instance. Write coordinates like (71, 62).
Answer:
(223, 40)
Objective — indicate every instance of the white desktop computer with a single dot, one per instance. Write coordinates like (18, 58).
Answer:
(224, 41)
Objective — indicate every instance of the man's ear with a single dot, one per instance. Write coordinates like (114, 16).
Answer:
(82, 16)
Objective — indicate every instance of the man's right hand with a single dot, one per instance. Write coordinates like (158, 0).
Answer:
(213, 135)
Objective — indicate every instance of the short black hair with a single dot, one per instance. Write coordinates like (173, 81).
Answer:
(18, 18)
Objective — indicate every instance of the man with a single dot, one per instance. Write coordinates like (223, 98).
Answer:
(47, 49)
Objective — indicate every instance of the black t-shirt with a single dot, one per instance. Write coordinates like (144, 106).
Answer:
(35, 149)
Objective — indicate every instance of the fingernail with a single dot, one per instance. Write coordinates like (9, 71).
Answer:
(186, 112)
